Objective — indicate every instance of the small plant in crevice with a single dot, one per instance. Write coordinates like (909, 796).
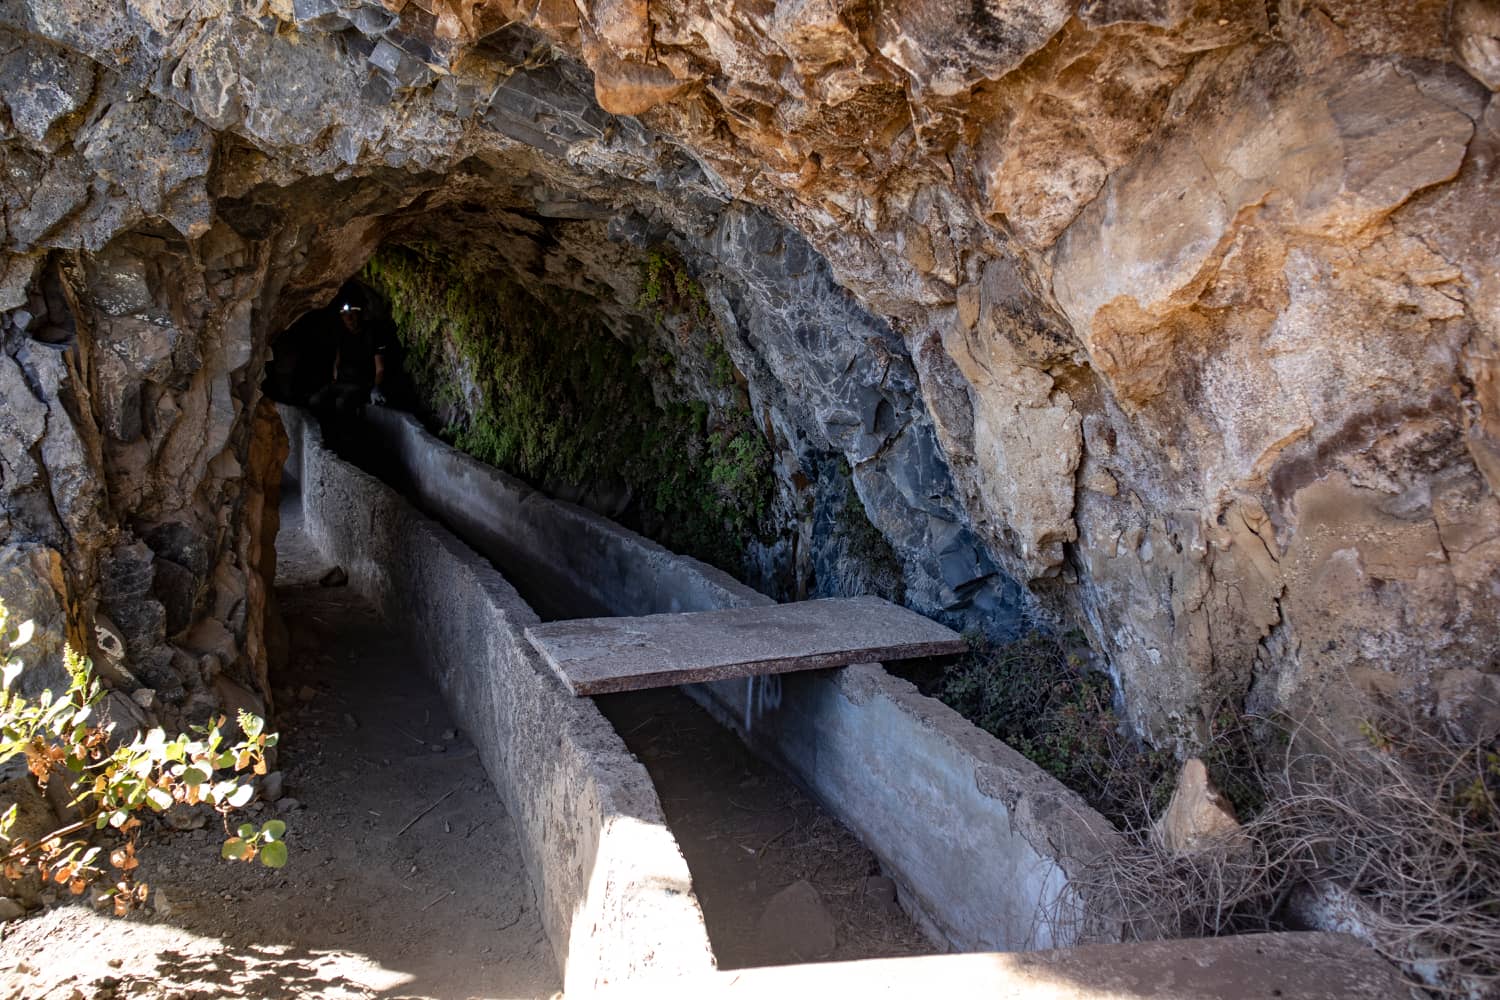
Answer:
(722, 366)
(669, 289)
(110, 783)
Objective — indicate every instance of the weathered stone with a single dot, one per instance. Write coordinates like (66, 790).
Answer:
(1470, 702)
(1198, 815)
(1476, 32)
(126, 715)
(44, 84)
(947, 46)
(796, 922)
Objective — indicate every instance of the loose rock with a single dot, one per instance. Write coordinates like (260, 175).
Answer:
(796, 922)
(186, 818)
(1198, 814)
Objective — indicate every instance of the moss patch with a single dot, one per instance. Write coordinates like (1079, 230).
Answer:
(545, 391)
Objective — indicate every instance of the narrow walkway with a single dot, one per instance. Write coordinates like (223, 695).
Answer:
(371, 903)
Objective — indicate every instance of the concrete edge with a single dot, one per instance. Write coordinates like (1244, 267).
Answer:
(1286, 966)
(613, 889)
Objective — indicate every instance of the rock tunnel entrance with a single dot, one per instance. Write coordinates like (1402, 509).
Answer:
(604, 370)
(875, 757)
(610, 379)
(779, 879)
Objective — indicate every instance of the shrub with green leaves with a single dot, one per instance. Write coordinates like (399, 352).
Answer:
(110, 782)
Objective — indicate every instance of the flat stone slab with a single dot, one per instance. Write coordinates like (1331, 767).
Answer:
(605, 655)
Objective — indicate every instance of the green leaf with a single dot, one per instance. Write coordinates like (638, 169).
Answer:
(246, 830)
(118, 818)
(274, 829)
(273, 855)
(12, 671)
(241, 796)
(8, 820)
(193, 776)
(233, 848)
(159, 799)
(251, 724)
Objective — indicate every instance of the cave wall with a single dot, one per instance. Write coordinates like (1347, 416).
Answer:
(1175, 319)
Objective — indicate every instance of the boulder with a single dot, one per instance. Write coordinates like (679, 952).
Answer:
(1198, 815)
(796, 922)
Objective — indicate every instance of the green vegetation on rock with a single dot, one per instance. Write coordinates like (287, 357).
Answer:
(1040, 698)
(110, 781)
(669, 288)
(544, 390)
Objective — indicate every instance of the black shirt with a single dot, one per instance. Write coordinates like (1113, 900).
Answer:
(356, 358)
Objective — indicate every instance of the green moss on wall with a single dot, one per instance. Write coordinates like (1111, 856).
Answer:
(669, 288)
(548, 393)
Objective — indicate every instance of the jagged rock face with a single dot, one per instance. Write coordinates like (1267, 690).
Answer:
(1183, 315)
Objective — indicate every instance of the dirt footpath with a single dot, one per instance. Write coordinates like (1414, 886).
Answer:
(405, 879)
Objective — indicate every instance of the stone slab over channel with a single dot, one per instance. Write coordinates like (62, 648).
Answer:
(1288, 966)
(607, 655)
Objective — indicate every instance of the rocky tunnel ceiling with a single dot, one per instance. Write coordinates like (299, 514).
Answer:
(1177, 321)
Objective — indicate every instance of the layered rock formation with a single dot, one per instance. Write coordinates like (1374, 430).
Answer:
(1180, 320)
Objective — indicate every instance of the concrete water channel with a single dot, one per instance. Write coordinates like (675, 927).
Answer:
(658, 827)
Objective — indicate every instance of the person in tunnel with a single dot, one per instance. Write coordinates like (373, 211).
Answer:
(358, 372)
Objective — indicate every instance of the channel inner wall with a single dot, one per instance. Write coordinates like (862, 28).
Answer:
(982, 843)
(614, 891)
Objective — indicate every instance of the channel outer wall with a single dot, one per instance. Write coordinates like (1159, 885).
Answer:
(614, 891)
